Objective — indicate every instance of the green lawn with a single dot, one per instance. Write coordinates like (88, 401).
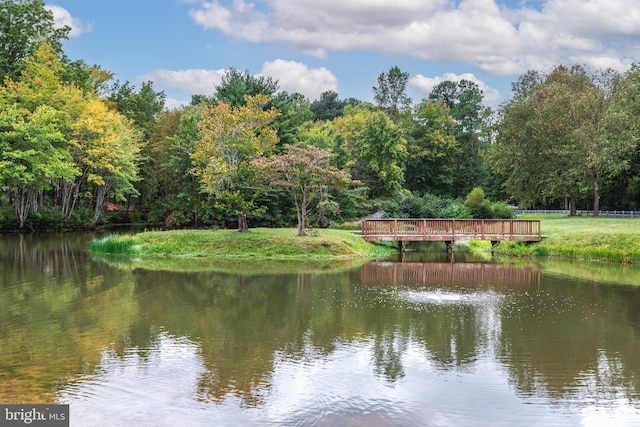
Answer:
(581, 237)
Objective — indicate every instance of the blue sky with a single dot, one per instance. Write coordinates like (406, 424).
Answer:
(184, 46)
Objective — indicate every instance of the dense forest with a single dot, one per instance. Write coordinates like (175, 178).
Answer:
(79, 149)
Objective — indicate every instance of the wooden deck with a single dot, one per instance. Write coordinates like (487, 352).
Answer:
(451, 230)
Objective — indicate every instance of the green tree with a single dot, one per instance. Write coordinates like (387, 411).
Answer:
(36, 113)
(237, 85)
(142, 107)
(33, 155)
(564, 133)
(294, 112)
(432, 150)
(328, 107)
(391, 92)
(165, 179)
(186, 199)
(530, 152)
(378, 149)
(464, 99)
(622, 191)
(24, 24)
(530, 145)
(325, 135)
(603, 127)
(231, 137)
(90, 79)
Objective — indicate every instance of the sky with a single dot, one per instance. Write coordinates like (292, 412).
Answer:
(312, 46)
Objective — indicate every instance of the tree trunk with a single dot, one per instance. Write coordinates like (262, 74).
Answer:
(596, 195)
(101, 195)
(302, 216)
(243, 224)
(572, 205)
(22, 204)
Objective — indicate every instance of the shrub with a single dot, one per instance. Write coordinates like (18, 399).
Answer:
(501, 210)
(390, 207)
(47, 218)
(157, 213)
(177, 219)
(427, 206)
(455, 209)
(81, 218)
(411, 207)
(8, 218)
(475, 197)
(350, 225)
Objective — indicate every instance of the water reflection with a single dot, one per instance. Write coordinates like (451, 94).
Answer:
(386, 343)
(463, 274)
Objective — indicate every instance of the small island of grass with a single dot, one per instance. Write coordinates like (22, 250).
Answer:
(257, 243)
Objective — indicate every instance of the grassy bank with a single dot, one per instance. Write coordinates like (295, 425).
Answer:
(263, 243)
(590, 238)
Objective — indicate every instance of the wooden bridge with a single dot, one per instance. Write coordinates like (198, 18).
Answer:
(450, 230)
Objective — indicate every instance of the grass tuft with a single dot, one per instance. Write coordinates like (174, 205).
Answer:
(115, 244)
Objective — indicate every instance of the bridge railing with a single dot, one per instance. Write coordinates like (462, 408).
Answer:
(581, 212)
(450, 229)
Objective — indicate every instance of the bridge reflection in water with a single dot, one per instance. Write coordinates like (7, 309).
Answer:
(449, 273)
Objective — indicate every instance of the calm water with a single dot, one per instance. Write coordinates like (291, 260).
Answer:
(423, 341)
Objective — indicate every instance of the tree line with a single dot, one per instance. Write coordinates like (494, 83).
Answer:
(79, 149)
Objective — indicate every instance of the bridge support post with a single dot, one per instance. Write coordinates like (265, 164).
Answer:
(449, 244)
(494, 243)
(402, 245)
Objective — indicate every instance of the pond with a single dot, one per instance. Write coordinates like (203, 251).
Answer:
(422, 340)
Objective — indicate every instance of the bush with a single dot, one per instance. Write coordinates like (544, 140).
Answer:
(177, 219)
(390, 207)
(411, 207)
(157, 213)
(350, 225)
(81, 218)
(47, 218)
(8, 218)
(475, 197)
(478, 206)
(501, 210)
(353, 204)
(455, 209)
(427, 206)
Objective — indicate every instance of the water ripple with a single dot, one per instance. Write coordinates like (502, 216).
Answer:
(441, 297)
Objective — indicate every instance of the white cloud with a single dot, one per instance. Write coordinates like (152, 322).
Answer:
(426, 85)
(62, 17)
(196, 81)
(296, 77)
(489, 34)
(174, 104)
(253, 27)
(291, 76)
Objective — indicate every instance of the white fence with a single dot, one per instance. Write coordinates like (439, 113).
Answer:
(581, 212)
